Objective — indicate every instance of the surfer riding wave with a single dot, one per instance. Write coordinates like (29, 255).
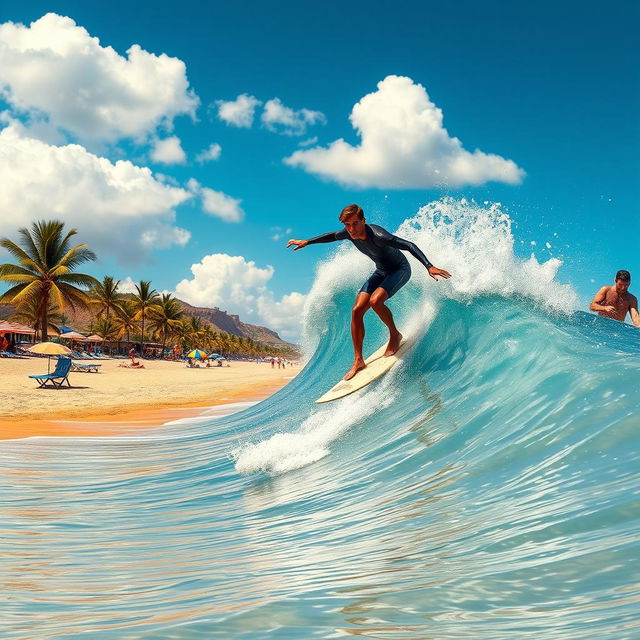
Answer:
(392, 272)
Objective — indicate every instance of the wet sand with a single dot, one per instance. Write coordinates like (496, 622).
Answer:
(120, 400)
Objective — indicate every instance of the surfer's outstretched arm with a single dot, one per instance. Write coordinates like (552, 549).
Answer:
(389, 239)
(332, 236)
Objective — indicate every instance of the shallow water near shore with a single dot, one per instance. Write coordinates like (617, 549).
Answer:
(487, 487)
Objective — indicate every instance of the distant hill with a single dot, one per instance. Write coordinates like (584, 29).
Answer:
(231, 323)
(221, 320)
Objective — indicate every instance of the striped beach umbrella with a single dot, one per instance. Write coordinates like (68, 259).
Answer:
(197, 354)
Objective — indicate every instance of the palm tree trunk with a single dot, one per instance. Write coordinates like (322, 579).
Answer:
(142, 346)
(44, 320)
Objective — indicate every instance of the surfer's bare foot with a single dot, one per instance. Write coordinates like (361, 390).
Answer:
(358, 365)
(394, 344)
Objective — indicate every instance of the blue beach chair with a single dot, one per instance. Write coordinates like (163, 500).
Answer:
(59, 375)
(86, 367)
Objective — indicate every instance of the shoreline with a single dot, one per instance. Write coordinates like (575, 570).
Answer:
(92, 412)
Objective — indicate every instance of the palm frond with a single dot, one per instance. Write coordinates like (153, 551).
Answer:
(58, 271)
(18, 277)
(8, 296)
(76, 256)
(79, 278)
(30, 248)
(14, 249)
(74, 297)
(28, 293)
(11, 269)
(56, 296)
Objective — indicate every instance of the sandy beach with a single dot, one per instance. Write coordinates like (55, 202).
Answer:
(118, 399)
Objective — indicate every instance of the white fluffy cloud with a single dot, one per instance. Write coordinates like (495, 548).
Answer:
(212, 152)
(222, 206)
(403, 145)
(239, 286)
(238, 112)
(168, 151)
(127, 285)
(284, 315)
(281, 119)
(55, 69)
(118, 207)
(217, 203)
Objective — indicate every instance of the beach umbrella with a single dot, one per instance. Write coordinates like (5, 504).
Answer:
(49, 349)
(214, 356)
(198, 354)
(72, 335)
(95, 338)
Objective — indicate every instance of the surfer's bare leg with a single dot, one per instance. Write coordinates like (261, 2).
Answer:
(377, 302)
(357, 333)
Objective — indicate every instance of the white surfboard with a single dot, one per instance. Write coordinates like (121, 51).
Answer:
(377, 366)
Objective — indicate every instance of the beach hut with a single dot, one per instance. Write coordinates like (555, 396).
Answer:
(14, 332)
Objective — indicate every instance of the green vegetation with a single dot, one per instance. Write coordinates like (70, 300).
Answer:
(44, 287)
(43, 276)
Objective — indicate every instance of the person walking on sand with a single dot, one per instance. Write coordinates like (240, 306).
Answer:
(615, 301)
(392, 272)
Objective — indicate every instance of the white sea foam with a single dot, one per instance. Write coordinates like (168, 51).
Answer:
(287, 451)
(475, 243)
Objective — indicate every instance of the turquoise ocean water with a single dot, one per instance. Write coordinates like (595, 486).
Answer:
(486, 488)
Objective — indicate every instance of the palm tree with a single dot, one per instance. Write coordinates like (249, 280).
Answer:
(105, 328)
(43, 275)
(196, 332)
(126, 319)
(29, 314)
(145, 300)
(106, 296)
(167, 317)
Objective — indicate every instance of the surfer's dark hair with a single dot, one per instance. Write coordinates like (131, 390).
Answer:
(351, 210)
(623, 275)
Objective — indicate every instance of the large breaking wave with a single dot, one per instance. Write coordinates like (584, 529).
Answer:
(487, 487)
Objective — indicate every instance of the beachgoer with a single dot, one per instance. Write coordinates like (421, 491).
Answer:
(615, 301)
(134, 363)
(4, 343)
(392, 272)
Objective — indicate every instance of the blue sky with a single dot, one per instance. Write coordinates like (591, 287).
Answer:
(550, 90)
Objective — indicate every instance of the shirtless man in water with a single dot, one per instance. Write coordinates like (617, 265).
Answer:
(392, 272)
(615, 301)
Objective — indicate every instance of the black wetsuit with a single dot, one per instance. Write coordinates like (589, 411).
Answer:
(392, 268)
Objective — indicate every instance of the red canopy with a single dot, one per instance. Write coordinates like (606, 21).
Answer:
(15, 327)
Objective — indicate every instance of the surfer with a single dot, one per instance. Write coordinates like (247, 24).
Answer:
(615, 301)
(392, 272)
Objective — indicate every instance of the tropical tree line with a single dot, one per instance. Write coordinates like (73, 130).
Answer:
(44, 284)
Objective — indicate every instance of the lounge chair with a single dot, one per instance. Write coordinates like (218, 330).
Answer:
(58, 377)
(8, 354)
(85, 367)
